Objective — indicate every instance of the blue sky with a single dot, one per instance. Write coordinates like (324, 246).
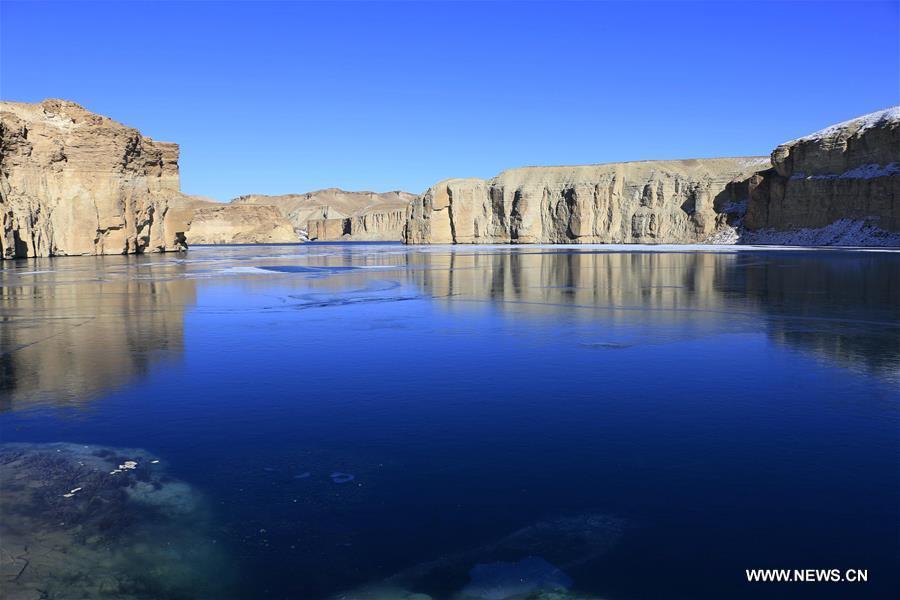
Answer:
(290, 97)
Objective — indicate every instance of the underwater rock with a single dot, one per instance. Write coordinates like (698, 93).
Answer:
(381, 592)
(502, 580)
(73, 530)
(542, 552)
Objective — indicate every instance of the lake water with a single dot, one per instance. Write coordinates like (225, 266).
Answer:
(373, 421)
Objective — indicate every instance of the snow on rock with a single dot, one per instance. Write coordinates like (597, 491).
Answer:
(844, 232)
(856, 125)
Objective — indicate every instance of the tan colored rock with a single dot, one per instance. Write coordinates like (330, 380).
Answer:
(846, 172)
(213, 222)
(676, 201)
(372, 225)
(328, 229)
(334, 203)
(74, 182)
(379, 224)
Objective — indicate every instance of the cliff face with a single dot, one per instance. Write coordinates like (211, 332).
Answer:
(679, 201)
(847, 172)
(211, 222)
(372, 225)
(74, 182)
(306, 212)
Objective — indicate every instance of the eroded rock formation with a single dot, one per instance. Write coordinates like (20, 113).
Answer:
(74, 182)
(213, 222)
(678, 201)
(847, 172)
(334, 214)
(372, 225)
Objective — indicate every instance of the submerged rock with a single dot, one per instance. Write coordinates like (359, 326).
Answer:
(73, 529)
(502, 580)
(531, 563)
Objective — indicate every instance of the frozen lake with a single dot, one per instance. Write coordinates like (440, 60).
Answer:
(375, 421)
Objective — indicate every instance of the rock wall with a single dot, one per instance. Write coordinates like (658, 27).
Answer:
(374, 225)
(213, 222)
(846, 173)
(335, 204)
(74, 182)
(678, 201)
(327, 230)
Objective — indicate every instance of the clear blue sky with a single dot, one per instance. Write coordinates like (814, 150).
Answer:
(290, 97)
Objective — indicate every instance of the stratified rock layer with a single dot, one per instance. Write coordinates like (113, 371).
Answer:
(845, 173)
(213, 222)
(677, 201)
(321, 214)
(372, 225)
(74, 182)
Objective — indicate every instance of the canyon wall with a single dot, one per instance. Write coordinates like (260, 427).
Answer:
(74, 182)
(307, 212)
(676, 201)
(331, 214)
(847, 172)
(211, 222)
(372, 225)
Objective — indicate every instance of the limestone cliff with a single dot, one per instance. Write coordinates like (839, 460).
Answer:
(335, 205)
(676, 201)
(211, 222)
(845, 173)
(378, 224)
(74, 182)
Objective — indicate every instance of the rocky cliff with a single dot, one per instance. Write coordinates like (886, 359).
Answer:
(306, 212)
(211, 222)
(74, 182)
(677, 201)
(835, 178)
(372, 225)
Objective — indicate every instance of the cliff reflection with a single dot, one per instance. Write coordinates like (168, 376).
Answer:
(810, 301)
(70, 334)
(845, 308)
(74, 328)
